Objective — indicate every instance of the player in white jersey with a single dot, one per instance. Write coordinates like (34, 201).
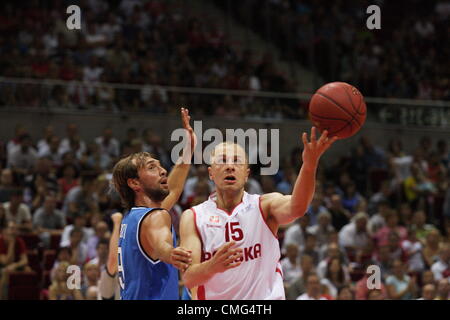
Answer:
(232, 235)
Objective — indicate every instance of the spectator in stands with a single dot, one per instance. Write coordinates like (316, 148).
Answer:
(427, 277)
(382, 196)
(419, 226)
(355, 236)
(362, 292)
(313, 289)
(43, 145)
(52, 151)
(291, 265)
(68, 180)
(323, 229)
(443, 289)
(18, 212)
(63, 255)
(311, 249)
(335, 277)
(78, 248)
(431, 248)
(382, 234)
(108, 144)
(441, 268)
(378, 220)
(101, 233)
(412, 248)
(296, 233)
(200, 175)
(13, 255)
(15, 143)
(298, 287)
(333, 252)
(91, 273)
(428, 292)
(405, 215)
(383, 260)
(315, 208)
(79, 221)
(345, 293)
(59, 290)
(101, 256)
(81, 199)
(72, 139)
(23, 158)
(351, 198)
(6, 184)
(48, 220)
(400, 286)
(339, 215)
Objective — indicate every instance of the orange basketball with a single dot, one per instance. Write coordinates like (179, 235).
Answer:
(339, 108)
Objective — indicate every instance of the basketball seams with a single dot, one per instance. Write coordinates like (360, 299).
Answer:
(356, 109)
(347, 123)
(339, 106)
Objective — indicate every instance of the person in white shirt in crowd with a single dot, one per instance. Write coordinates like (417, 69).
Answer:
(441, 268)
(413, 248)
(44, 143)
(14, 143)
(79, 221)
(296, 234)
(108, 144)
(23, 158)
(378, 219)
(101, 254)
(313, 289)
(101, 233)
(71, 139)
(18, 212)
(291, 265)
(51, 151)
(323, 229)
(355, 236)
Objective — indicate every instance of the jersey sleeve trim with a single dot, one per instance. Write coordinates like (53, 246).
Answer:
(138, 238)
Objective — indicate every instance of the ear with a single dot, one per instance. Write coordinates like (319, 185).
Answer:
(210, 174)
(134, 184)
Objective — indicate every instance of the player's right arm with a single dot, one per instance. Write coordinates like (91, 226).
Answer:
(111, 265)
(199, 272)
(156, 239)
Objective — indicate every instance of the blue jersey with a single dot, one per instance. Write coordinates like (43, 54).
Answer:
(141, 277)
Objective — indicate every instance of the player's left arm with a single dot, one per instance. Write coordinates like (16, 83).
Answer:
(283, 209)
(180, 171)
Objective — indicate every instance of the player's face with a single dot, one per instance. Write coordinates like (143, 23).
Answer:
(153, 180)
(229, 169)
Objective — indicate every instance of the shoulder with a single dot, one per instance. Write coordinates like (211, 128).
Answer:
(154, 215)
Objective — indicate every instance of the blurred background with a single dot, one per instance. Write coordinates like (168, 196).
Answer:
(72, 102)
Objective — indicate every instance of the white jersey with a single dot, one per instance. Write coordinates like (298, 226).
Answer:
(259, 276)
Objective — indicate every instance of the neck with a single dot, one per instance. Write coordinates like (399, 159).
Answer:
(144, 201)
(228, 200)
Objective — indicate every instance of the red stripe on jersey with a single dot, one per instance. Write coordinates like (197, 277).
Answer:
(201, 293)
(198, 232)
(279, 271)
(265, 221)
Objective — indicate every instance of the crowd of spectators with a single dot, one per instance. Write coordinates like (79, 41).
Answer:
(406, 58)
(148, 43)
(377, 206)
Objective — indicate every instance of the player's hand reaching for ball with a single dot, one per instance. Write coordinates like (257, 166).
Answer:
(180, 258)
(226, 258)
(314, 149)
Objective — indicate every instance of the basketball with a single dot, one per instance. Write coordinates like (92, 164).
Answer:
(339, 108)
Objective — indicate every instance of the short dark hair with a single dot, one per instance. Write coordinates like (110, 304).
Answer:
(75, 230)
(102, 241)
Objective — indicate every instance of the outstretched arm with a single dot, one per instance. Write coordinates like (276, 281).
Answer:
(282, 209)
(156, 238)
(180, 171)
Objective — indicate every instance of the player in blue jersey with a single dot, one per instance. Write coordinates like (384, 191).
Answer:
(148, 258)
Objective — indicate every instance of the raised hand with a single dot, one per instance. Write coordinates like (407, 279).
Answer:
(226, 258)
(313, 150)
(186, 118)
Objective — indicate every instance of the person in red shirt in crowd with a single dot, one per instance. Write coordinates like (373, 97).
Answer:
(13, 256)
